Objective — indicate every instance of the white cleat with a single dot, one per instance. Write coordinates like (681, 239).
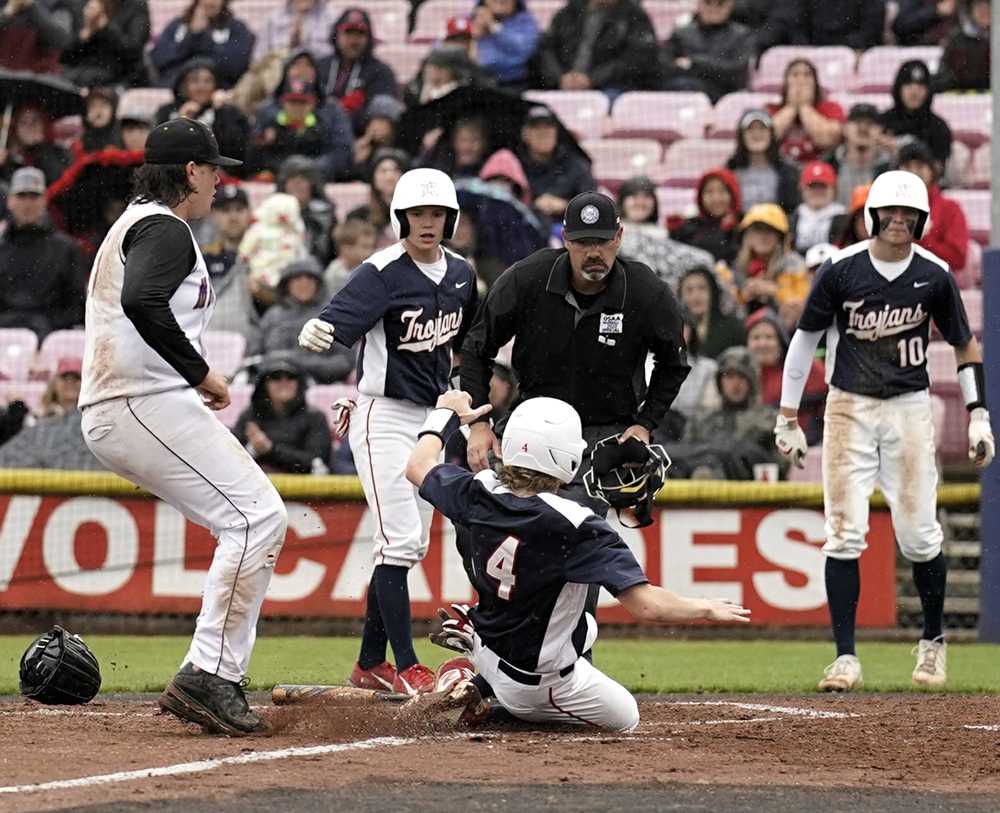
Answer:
(843, 675)
(931, 670)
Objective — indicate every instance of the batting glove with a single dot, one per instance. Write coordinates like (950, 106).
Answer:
(316, 335)
(342, 409)
(981, 444)
(456, 633)
(790, 440)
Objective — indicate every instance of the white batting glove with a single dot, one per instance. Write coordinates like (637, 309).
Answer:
(790, 440)
(982, 448)
(456, 632)
(316, 335)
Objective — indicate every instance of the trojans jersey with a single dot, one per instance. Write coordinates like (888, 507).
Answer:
(877, 329)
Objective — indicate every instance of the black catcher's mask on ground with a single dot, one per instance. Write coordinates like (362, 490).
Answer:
(58, 668)
(627, 476)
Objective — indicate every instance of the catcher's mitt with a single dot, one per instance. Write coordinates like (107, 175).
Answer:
(59, 668)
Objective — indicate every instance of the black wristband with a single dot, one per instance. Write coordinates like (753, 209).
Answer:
(442, 423)
(972, 382)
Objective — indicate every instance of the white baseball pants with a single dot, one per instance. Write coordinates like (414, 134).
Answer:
(585, 696)
(889, 441)
(383, 433)
(172, 445)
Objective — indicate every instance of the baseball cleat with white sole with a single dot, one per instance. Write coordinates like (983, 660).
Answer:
(931, 670)
(843, 675)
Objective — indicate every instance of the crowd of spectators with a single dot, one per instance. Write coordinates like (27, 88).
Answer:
(304, 99)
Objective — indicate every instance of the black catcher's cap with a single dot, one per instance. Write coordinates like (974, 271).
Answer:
(591, 215)
(181, 140)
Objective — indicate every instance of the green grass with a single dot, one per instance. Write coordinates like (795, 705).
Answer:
(144, 664)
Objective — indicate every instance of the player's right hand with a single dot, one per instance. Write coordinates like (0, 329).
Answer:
(456, 632)
(316, 335)
(790, 440)
(460, 403)
(725, 611)
(481, 441)
(214, 391)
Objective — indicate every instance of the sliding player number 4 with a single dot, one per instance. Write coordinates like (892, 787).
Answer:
(500, 566)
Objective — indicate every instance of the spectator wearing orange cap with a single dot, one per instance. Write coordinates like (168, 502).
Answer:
(767, 271)
(506, 36)
(814, 216)
(850, 228)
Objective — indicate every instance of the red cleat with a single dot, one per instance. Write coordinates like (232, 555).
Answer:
(418, 679)
(380, 678)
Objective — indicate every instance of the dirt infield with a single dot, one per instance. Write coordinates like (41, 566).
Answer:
(713, 752)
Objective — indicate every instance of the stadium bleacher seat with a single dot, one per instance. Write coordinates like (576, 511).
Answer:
(144, 101)
(224, 350)
(323, 396)
(938, 412)
(976, 205)
(812, 467)
(834, 63)
(617, 159)
(544, 11)
(59, 344)
(878, 66)
(404, 58)
(958, 172)
(584, 112)
(17, 351)
(390, 19)
(972, 275)
(672, 200)
(978, 174)
(347, 196)
(882, 101)
(968, 115)
(941, 366)
(254, 13)
(667, 16)
(728, 110)
(257, 192)
(972, 299)
(162, 12)
(688, 159)
(239, 399)
(661, 115)
(432, 18)
(28, 391)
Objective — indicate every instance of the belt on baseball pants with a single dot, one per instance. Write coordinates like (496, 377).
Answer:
(528, 678)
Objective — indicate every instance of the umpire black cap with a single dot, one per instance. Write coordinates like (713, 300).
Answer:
(181, 140)
(591, 215)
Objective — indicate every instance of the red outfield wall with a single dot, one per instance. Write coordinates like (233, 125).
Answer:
(137, 555)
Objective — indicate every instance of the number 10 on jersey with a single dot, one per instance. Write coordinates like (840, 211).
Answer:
(911, 352)
(500, 566)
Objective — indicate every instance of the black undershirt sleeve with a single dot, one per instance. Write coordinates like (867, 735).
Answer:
(159, 255)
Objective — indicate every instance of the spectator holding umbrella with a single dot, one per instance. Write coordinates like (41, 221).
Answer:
(31, 143)
(209, 29)
(108, 48)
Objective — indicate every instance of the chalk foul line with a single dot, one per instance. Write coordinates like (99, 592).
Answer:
(794, 711)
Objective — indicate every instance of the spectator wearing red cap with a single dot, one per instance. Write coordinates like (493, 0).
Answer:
(352, 75)
(813, 218)
(297, 24)
(506, 36)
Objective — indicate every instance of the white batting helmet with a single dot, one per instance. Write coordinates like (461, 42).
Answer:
(544, 435)
(897, 188)
(423, 187)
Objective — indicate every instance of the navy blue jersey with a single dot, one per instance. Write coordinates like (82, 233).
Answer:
(531, 560)
(406, 321)
(878, 330)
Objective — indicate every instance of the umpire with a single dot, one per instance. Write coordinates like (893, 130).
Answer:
(583, 321)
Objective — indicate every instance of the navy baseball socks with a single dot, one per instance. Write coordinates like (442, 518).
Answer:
(931, 579)
(843, 588)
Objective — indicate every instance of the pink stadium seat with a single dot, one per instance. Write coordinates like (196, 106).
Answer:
(976, 205)
(953, 440)
(615, 160)
(728, 110)
(812, 467)
(958, 172)
(433, 16)
(257, 192)
(835, 64)
(972, 275)
(688, 159)
(403, 58)
(584, 112)
(672, 200)
(979, 171)
(878, 66)
(882, 101)
(390, 19)
(143, 101)
(162, 12)
(28, 391)
(322, 397)
(938, 411)
(661, 115)
(239, 399)
(59, 344)
(666, 16)
(544, 11)
(972, 299)
(941, 366)
(224, 350)
(17, 351)
(968, 115)
(347, 196)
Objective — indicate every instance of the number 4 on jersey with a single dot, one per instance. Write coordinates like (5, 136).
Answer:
(500, 566)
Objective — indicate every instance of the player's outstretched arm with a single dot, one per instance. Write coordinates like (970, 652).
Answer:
(657, 605)
(453, 409)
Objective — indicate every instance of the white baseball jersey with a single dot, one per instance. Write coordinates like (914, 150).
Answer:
(117, 361)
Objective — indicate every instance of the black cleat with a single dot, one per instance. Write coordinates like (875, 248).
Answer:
(216, 704)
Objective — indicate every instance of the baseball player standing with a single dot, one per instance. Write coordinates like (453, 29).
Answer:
(532, 556)
(409, 305)
(147, 398)
(875, 300)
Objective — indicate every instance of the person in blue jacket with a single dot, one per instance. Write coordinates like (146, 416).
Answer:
(207, 28)
(506, 36)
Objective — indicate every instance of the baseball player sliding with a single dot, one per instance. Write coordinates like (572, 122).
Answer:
(531, 555)
(147, 395)
(875, 300)
(409, 305)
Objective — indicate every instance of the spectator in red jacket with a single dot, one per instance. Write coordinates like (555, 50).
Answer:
(947, 233)
(716, 226)
(806, 124)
